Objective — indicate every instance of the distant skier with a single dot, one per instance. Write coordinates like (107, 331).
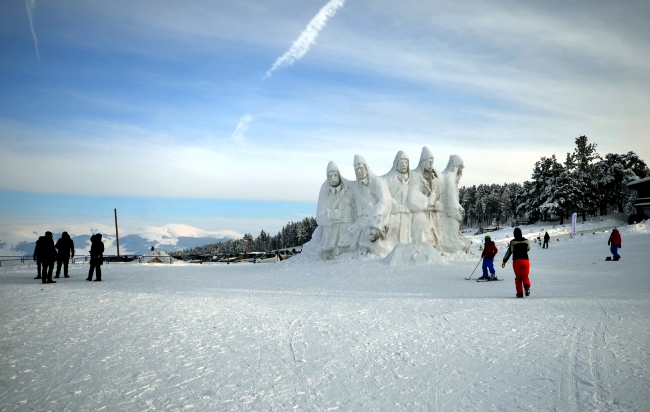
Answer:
(489, 252)
(519, 248)
(615, 243)
(65, 249)
(37, 259)
(96, 257)
(47, 255)
(546, 239)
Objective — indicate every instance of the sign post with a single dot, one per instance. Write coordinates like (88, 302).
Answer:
(574, 220)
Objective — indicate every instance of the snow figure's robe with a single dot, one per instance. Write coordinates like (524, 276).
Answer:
(372, 205)
(399, 226)
(423, 200)
(452, 213)
(334, 215)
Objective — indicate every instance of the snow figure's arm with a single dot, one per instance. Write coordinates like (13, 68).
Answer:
(323, 210)
(382, 209)
(416, 200)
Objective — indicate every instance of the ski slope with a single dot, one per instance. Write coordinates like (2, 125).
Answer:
(355, 335)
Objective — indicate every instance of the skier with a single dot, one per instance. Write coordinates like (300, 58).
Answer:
(615, 243)
(489, 252)
(47, 256)
(37, 259)
(64, 246)
(546, 239)
(96, 257)
(519, 248)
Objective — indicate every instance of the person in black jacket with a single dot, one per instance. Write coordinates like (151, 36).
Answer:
(519, 248)
(65, 249)
(96, 257)
(37, 258)
(47, 255)
(546, 239)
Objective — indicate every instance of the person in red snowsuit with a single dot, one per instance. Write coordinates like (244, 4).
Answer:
(519, 248)
(489, 252)
(614, 243)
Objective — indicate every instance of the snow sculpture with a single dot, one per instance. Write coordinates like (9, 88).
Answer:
(334, 213)
(407, 216)
(372, 206)
(423, 199)
(449, 218)
(399, 226)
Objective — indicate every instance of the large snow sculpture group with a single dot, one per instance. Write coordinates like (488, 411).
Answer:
(411, 213)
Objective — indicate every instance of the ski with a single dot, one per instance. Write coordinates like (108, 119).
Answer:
(488, 280)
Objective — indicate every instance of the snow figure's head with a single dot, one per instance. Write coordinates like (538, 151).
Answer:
(456, 166)
(401, 162)
(333, 174)
(426, 160)
(361, 169)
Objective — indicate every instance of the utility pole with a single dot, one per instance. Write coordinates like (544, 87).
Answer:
(117, 236)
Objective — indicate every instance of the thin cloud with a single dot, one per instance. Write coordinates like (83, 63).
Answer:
(30, 5)
(242, 127)
(308, 37)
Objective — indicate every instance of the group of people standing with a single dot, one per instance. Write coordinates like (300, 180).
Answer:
(47, 252)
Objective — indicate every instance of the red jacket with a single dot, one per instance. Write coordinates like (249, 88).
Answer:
(615, 238)
(490, 251)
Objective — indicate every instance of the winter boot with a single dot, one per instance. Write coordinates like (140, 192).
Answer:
(493, 277)
(51, 281)
(66, 276)
(520, 295)
(608, 259)
(89, 279)
(98, 280)
(527, 290)
(616, 259)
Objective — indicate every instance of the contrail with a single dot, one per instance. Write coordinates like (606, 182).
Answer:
(242, 127)
(301, 46)
(30, 4)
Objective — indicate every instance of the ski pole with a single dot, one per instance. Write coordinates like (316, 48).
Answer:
(470, 276)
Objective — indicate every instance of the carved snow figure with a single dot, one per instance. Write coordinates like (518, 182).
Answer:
(334, 213)
(372, 203)
(399, 226)
(450, 217)
(423, 199)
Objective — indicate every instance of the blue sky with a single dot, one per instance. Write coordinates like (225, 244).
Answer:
(136, 105)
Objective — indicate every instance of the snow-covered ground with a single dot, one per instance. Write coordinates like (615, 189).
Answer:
(356, 335)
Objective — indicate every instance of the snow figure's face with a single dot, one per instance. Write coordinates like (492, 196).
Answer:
(428, 165)
(334, 178)
(360, 170)
(403, 165)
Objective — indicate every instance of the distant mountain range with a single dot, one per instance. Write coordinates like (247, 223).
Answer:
(134, 240)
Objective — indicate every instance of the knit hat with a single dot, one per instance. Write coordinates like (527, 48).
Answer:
(487, 237)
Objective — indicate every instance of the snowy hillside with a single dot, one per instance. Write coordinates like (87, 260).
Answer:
(357, 335)
(133, 240)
